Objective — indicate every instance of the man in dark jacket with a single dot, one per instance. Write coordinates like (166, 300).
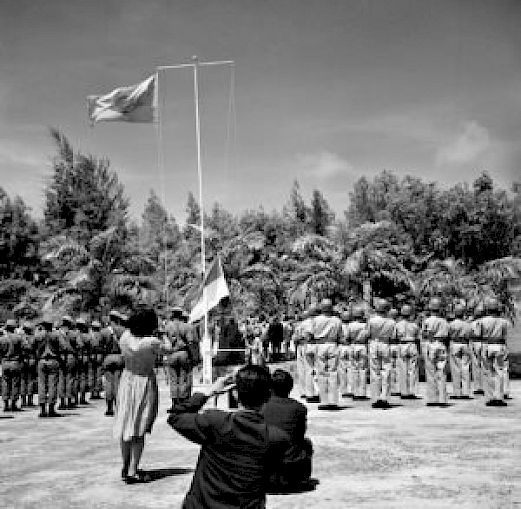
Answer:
(239, 449)
(290, 416)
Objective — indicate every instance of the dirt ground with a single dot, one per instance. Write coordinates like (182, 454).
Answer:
(464, 456)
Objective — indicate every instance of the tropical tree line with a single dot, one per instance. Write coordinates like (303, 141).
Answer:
(405, 239)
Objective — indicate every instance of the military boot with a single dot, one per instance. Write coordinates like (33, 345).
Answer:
(24, 401)
(52, 412)
(43, 412)
(30, 400)
(110, 408)
(174, 403)
(62, 405)
(14, 408)
(6, 405)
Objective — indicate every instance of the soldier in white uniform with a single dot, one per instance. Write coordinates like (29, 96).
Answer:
(382, 333)
(394, 351)
(325, 351)
(435, 331)
(345, 365)
(358, 335)
(310, 386)
(476, 347)
(408, 336)
(459, 334)
(494, 337)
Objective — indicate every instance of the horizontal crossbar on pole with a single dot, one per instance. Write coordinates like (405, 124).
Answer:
(193, 64)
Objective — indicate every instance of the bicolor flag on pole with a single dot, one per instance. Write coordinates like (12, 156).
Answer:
(214, 289)
(137, 103)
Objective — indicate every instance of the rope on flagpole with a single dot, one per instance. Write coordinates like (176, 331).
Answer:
(160, 101)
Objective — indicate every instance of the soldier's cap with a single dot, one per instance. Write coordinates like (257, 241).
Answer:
(326, 306)
(67, 319)
(393, 313)
(81, 321)
(345, 316)
(46, 321)
(358, 311)
(491, 304)
(177, 309)
(27, 326)
(95, 324)
(11, 323)
(406, 310)
(312, 311)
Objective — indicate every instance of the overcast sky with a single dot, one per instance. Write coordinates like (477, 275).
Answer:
(326, 91)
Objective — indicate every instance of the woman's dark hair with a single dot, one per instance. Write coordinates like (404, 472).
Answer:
(253, 386)
(281, 383)
(143, 322)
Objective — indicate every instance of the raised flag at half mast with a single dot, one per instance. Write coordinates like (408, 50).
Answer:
(137, 103)
(214, 289)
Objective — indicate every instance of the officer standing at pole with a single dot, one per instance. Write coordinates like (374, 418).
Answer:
(358, 335)
(494, 337)
(460, 357)
(435, 331)
(49, 361)
(382, 333)
(12, 356)
(408, 336)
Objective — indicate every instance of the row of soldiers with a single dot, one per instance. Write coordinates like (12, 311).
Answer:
(335, 353)
(61, 361)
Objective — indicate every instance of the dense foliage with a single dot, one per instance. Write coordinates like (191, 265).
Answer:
(400, 238)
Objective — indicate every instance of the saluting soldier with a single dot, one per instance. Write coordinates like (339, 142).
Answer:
(49, 360)
(114, 362)
(435, 331)
(358, 335)
(408, 336)
(327, 335)
(494, 337)
(83, 339)
(382, 333)
(178, 362)
(96, 360)
(476, 349)
(29, 369)
(460, 332)
(12, 355)
(394, 352)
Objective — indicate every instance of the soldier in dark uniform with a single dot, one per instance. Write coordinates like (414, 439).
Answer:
(29, 370)
(113, 363)
(84, 347)
(65, 366)
(97, 354)
(12, 355)
(178, 362)
(49, 360)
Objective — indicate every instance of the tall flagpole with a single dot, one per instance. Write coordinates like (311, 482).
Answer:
(207, 341)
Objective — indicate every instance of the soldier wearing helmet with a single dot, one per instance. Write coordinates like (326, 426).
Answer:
(494, 352)
(408, 337)
(357, 335)
(49, 360)
(324, 352)
(382, 333)
(11, 354)
(459, 350)
(83, 338)
(67, 373)
(113, 362)
(476, 346)
(435, 332)
(29, 371)
(97, 354)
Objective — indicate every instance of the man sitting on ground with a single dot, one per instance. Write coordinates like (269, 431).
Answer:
(239, 450)
(290, 416)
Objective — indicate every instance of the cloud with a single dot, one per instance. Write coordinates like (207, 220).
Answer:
(12, 155)
(324, 165)
(472, 141)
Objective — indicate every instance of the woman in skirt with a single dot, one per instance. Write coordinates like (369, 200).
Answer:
(138, 397)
